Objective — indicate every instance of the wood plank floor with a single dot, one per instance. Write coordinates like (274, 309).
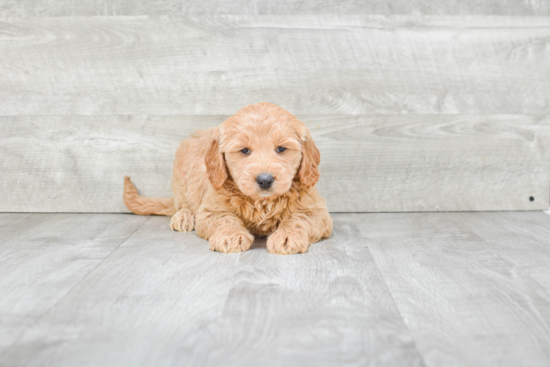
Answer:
(392, 289)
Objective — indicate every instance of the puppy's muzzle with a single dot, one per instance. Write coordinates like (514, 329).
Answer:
(265, 180)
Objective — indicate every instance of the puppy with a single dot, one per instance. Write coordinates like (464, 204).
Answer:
(254, 175)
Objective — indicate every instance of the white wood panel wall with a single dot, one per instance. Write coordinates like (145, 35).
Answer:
(411, 112)
(307, 64)
(22, 8)
(369, 163)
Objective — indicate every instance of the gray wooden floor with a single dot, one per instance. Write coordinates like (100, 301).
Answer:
(422, 289)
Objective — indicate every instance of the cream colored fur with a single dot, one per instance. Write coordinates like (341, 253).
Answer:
(215, 191)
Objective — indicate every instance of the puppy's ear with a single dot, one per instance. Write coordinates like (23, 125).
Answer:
(215, 164)
(311, 158)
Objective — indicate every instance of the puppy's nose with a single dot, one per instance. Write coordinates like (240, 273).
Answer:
(265, 180)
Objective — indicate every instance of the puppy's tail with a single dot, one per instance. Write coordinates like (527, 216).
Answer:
(146, 206)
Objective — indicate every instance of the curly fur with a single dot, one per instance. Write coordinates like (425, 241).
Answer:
(215, 191)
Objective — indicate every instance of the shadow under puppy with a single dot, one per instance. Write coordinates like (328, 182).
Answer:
(254, 175)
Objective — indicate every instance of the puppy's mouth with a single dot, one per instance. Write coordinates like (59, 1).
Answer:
(266, 194)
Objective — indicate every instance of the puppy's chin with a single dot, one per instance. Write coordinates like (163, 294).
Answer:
(263, 195)
(266, 195)
(254, 192)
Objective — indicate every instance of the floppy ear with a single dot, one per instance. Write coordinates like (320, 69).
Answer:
(311, 158)
(215, 164)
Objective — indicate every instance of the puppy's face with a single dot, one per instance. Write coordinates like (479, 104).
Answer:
(262, 157)
(264, 148)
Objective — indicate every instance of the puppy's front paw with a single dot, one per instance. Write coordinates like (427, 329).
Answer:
(183, 221)
(288, 241)
(230, 240)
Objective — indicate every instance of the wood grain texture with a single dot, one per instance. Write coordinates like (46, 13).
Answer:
(43, 256)
(24, 8)
(162, 298)
(397, 289)
(323, 64)
(474, 288)
(369, 163)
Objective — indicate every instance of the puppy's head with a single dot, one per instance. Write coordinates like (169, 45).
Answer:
(264, 148)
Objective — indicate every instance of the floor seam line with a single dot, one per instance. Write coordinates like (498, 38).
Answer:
(69, 291)
(422, 359)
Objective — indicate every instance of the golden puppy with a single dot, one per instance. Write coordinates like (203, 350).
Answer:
(254, 175)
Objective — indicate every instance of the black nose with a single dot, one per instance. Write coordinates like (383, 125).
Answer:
(265, 180)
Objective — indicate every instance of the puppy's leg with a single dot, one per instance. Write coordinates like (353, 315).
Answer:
(225, 232)
(183, 221)
(298, 232)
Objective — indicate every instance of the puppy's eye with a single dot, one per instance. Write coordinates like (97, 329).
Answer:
(245, 151)
(281, 149)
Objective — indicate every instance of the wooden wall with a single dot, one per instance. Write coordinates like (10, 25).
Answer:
(419, 106)
(55, 8)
